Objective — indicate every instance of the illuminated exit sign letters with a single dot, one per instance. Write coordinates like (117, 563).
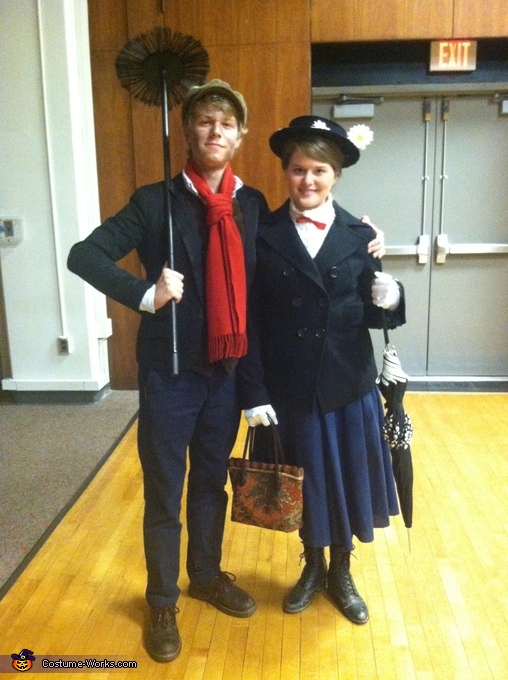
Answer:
(453, 55)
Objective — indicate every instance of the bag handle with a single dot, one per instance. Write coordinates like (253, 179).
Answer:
(278, 453)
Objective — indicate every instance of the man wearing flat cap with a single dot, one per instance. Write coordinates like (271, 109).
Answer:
(215, 218)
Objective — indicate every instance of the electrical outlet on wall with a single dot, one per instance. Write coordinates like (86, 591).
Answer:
(11, 231)
(64, 345)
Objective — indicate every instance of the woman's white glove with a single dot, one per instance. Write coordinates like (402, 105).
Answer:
(259, 415)
(385, 291)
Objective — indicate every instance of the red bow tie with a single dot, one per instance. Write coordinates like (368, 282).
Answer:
(303, 220)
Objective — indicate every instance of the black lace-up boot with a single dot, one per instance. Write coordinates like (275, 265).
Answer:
(162, 639)
(222, 593)
(341, 587)
(312, 580)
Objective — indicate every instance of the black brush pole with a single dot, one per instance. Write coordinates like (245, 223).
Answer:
(167, 209)
(158, 67)
(385, 327)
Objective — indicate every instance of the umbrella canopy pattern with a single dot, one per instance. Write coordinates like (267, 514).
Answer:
(398, 428)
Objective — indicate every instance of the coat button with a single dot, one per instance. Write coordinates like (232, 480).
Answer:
(334, 272)
(301, 332)
(288, 271)
(320, 333)
(297, 302)
(323, 302)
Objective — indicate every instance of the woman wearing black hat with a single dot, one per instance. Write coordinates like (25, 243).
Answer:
(318, 292)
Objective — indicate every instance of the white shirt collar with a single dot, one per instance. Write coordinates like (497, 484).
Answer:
(190, 186)
(311, 237)
(323, 213)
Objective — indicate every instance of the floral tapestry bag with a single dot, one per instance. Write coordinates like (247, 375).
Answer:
(267, 495)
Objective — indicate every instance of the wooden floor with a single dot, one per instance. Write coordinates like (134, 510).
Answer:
(439, 611)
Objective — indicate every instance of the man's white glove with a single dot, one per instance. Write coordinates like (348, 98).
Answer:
(259, 415)
(376, 247)
(385, 291)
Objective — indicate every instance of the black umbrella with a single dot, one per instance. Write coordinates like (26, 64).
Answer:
(397, 428)
(158, 67)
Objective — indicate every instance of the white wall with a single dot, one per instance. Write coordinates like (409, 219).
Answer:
(48, 179)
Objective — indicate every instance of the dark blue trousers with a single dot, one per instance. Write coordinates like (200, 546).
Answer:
(201, 414)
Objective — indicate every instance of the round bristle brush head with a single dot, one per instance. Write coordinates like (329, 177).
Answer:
(141, 63)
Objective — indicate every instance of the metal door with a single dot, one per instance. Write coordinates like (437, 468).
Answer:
(435, 180)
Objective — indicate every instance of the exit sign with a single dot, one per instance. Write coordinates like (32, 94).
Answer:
(453, 55)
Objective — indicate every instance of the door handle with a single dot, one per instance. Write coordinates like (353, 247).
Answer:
(421, 250)
(478, 248)
(400, 250)
(444, 248)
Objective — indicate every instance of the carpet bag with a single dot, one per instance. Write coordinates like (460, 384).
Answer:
(267, 495)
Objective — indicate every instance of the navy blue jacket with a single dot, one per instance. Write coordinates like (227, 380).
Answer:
(314, 314)
(141, 225)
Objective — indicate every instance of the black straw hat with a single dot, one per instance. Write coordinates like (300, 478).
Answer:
(305, 127)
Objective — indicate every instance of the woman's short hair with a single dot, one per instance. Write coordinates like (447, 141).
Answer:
(317, 148)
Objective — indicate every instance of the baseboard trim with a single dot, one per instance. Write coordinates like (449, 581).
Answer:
(54, 397)
(457, 385)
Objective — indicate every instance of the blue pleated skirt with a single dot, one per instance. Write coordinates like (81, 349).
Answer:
(348, 486)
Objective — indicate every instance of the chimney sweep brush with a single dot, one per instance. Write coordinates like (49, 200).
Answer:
(158, 67)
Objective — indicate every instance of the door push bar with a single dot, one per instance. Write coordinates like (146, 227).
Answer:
(444, 248)
(421, 250)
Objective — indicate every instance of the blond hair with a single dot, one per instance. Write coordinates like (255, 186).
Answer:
(219, 103)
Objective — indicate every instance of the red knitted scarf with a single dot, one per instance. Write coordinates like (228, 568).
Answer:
(226, 288)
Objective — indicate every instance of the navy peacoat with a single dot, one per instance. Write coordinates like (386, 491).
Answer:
(314, 315)
(140, 225)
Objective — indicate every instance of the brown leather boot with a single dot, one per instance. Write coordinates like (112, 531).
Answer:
(341, 587)
(312, 580)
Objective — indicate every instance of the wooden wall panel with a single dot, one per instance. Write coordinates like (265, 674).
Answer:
(123, 367)
(479, 20)
(113, 133)
(229, 22)
(115, 166)
(142, 15)
(107, 21)
(293, 21)
(331, 18)
(147, 143)
(349, 20)
(427, 19)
